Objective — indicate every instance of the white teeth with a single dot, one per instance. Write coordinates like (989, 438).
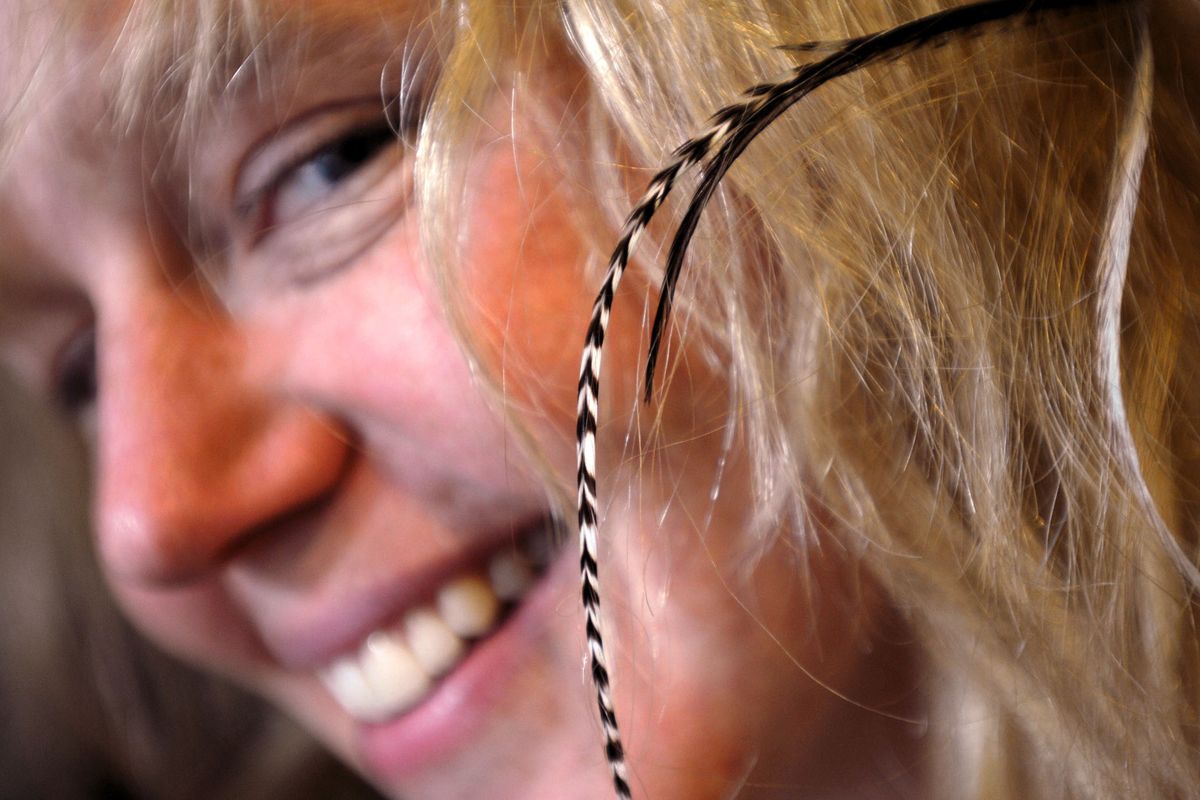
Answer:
(395, 668)
(469, 606)
(395, 677)
(379, 681)
(510, 575)
(435, 646)
(346, 682)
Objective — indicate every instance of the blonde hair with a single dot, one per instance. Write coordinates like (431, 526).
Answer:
(954, 299)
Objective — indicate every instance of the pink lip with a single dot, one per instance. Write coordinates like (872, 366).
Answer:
(447, 719)
(311, 640)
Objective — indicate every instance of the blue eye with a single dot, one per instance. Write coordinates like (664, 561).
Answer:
(313, 184)
(314, 196)
(345, 156)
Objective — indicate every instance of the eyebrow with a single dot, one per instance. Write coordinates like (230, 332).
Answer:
(168, 66)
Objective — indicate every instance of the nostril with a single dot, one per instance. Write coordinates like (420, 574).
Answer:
(162, 521)
(195, 452)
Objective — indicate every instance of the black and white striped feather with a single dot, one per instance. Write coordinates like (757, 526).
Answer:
(731, 131)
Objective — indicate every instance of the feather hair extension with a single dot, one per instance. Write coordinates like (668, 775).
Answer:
(731, 130)
(768, 101)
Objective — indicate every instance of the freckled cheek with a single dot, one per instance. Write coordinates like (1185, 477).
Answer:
(528, 287)
(528, 296)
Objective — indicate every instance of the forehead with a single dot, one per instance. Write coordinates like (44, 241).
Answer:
(129, 66)
(102, 102)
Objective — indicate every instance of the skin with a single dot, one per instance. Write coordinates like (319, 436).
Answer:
(274, 455)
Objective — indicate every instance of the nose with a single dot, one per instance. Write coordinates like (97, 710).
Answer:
(194, 455)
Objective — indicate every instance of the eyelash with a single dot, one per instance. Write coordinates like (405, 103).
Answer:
(260, 209)
(353, 150)
(314, 197)
(74, 383)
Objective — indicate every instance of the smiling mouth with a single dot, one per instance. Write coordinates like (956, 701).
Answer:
(397, 666)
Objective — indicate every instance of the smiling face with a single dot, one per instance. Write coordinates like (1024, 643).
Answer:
(302, 482)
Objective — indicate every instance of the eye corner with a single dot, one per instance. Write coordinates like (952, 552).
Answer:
(405, 112)
(74, 378)
(286, 147)
(297, 205)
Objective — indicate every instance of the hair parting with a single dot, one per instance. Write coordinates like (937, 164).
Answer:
(731, 131)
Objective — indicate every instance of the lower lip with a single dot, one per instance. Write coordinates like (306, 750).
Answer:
(448, 718)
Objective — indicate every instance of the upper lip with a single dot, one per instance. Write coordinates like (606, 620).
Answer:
(309, 635)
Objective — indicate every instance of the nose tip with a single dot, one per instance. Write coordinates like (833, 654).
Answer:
(164, 523)
(195, 455)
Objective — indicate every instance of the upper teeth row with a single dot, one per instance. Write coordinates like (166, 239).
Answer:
(396, 667)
